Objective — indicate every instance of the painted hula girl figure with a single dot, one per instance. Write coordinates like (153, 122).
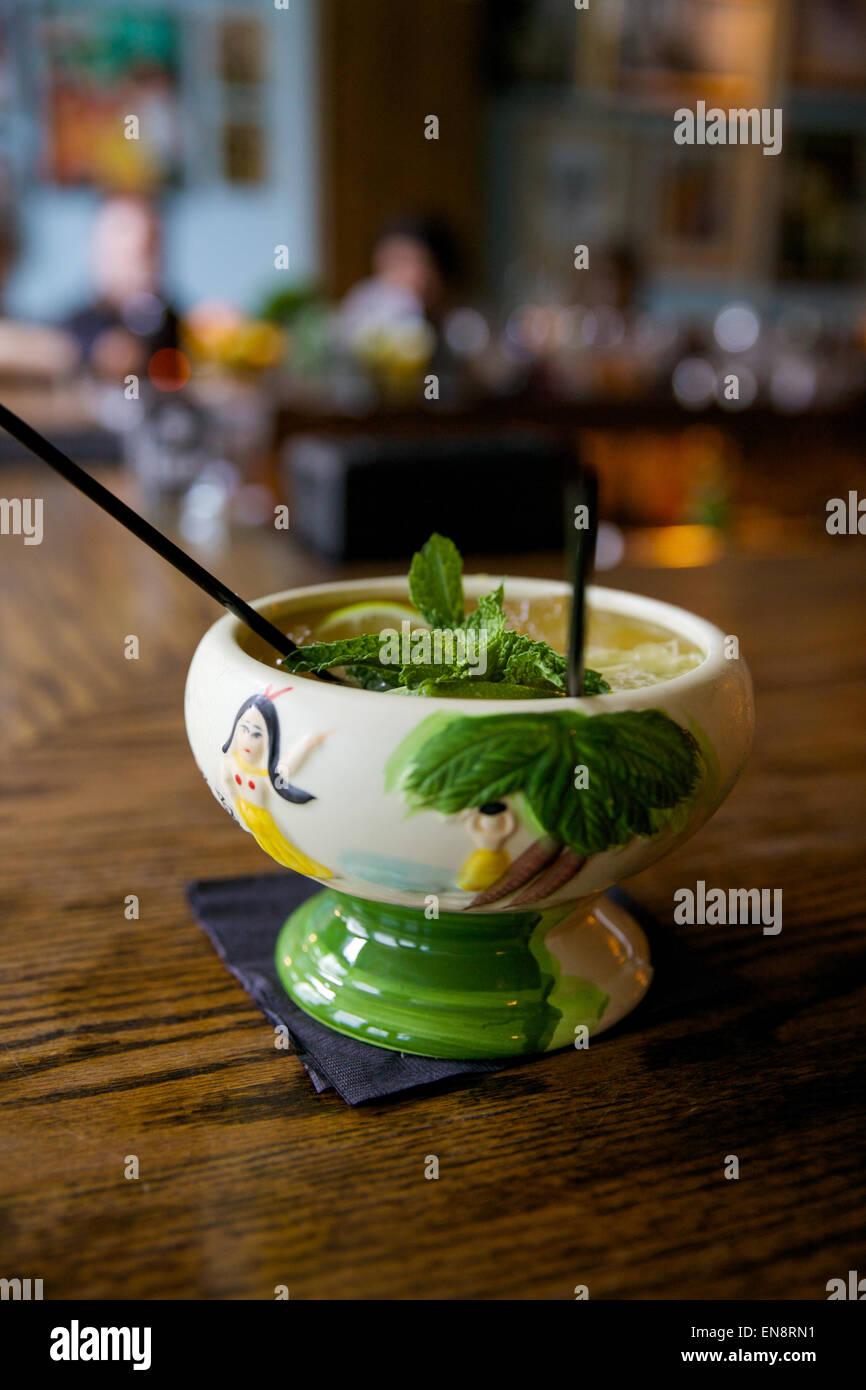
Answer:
(252, 772)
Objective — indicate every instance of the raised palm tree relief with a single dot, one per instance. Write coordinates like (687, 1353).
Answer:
(639, 767)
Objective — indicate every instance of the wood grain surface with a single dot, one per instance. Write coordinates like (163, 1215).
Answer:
(603, 1167)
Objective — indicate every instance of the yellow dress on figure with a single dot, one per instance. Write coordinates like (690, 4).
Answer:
(253, 785)
(488, 827)
(482, 869)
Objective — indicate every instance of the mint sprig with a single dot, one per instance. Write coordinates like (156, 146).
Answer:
(436, 582)
(517, 667)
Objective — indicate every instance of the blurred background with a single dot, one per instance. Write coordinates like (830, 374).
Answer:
(328, 256)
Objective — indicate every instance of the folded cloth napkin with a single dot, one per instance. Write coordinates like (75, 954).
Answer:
(243, 917)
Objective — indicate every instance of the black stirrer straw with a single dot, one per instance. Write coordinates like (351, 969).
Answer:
(73, 473)
(583, 527)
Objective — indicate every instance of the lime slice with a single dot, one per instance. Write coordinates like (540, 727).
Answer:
(371, 616)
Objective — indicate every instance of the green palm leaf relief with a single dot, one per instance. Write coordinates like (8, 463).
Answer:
(641, 765)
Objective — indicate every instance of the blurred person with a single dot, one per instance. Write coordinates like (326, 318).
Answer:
(416, 263)
(30, 350)
(129, 319)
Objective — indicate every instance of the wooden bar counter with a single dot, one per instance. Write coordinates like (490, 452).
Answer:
(603, 1167)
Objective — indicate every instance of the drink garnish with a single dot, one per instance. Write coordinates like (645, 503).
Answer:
(514, 666)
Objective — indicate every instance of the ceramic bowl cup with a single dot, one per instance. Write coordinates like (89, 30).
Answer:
(464, 845)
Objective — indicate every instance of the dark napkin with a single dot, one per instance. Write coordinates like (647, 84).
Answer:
(243, 917)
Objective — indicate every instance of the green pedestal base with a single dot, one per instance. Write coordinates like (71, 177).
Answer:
(467, 985)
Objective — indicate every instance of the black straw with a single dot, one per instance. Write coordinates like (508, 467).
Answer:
(62, 464)
(583, 529)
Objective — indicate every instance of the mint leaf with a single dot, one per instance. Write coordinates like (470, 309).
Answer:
(418, 674)
(489, 616)
(436, 582)
(594, 683)
(374, 677)
(528, 662)
(319, 656)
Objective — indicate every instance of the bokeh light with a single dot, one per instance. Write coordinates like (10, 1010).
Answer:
(466, 332)
(169, 369)
(736, 328)
(694, 382)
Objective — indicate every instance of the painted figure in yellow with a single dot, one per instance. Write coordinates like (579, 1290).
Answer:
(488, 828)
(253, 773)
